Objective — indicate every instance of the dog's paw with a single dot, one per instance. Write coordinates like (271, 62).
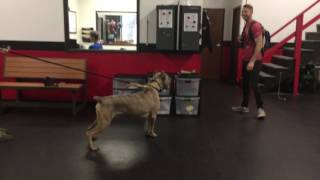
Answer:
(93, 148)
(152, 135)
(4, 130)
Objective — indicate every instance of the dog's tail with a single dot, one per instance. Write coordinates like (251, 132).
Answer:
(98, 99)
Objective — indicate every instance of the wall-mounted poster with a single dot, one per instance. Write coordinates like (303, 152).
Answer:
(190, 22)
(165, 18)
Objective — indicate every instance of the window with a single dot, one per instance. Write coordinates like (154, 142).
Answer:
(72, 22)
(115, 22)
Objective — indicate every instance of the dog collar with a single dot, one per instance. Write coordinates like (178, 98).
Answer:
(158, 89)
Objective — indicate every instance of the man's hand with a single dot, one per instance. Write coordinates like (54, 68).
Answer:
(250, 66)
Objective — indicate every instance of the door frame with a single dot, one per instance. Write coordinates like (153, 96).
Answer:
(215, 43)
(234, 42)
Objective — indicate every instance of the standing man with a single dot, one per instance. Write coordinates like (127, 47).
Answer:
(252, 62)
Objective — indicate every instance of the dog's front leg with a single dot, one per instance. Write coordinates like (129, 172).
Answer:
(146, 126)
(152, 122)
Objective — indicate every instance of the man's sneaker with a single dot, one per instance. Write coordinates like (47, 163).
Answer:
(240, 109)
(261, 113)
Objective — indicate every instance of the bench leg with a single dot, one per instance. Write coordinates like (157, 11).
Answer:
(75, 108)
(84, 98)
(74, 103)
(3, 109)
(18, 96)
(1, 103)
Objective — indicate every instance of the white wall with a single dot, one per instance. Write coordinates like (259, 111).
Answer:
(228, 5)
(273, 14)
(148, 11)
(32, 20)
(46, 23)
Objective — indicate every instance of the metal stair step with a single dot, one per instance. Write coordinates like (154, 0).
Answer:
(285, 61)
(302, 49)
(267, 81)
(266, 75)
(310, 40)
(289, 58)
(275, 66)
(313, 35)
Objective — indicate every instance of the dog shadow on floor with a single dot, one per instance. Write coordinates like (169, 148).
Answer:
(119, 155)
(101, 166)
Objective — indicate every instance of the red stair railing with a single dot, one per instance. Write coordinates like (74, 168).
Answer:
(298, 43)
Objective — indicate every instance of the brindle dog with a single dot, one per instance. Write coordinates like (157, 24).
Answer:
(144, 104)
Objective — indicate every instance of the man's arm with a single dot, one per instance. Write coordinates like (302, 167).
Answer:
(257, 49)
(259, 43)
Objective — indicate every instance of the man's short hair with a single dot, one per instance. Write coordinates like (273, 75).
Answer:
(249, 6)
(94, 35)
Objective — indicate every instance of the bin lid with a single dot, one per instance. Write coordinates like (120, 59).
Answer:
(133, 76)
(190, 76)
(187, 98)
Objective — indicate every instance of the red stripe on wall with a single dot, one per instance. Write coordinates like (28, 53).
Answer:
(109, 64)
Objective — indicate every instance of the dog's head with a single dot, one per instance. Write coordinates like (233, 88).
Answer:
(163, 79)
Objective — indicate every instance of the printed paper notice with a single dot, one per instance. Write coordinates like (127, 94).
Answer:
(165, 18)
(190, 22)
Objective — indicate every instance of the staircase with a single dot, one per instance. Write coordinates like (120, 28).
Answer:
(284, 64)
(279, 68)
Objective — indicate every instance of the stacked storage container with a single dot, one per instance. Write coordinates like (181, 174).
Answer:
(187, 94)
(121, 86)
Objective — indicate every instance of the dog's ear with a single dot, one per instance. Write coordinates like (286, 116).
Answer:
(163, 75)
(155, 73)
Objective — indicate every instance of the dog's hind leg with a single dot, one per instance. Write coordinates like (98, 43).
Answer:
(103, 120)
(92, 124)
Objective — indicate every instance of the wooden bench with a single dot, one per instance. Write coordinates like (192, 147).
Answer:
(29, 74)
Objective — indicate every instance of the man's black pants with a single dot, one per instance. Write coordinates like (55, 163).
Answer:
(251, 79)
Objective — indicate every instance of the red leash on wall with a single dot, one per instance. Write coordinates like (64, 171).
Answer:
(8, 50)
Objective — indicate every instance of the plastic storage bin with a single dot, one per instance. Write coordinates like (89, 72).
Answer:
(187, 86)
(165, 105)
(187, 105)
(119, 84)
